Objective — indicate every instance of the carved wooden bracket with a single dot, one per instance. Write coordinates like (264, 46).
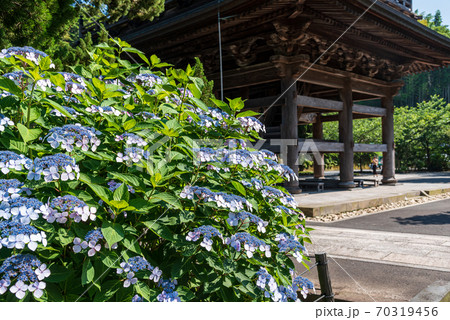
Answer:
(244, 51)
(290, 35)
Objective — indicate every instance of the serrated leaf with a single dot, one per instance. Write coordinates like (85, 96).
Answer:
(247, 113)
(28, 134)
(58, 107)
(88, 272)
(10, 86)
(129, 124)
(113, 232)
(102, 192)
(121, 193)
(239, 187)
(167, 198)
(122, 204)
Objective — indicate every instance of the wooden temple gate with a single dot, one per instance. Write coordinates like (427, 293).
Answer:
(322, 55)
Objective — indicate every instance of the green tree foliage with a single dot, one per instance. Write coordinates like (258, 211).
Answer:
(199, 72)
(420, 87)
(422, 135)
(53, 25)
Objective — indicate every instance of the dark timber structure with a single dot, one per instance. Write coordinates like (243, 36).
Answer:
(268, 44)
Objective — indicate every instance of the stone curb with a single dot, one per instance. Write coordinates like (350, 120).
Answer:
(438, 291)
(320, 210)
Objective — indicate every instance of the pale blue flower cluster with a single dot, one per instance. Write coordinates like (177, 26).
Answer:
(90, 241)
(147, 115)
(254, 183)
(132, 155)
(26, 52)
(244, 216)
(303, 284)
(221, 199)
(137, 298)
(136, 264)
(104, 110)
(272, 290)
(273, 194)
(113, 185)
(75, 84)
(22, 209)
(4, 94)
(250, 244)
(14, 234)
(145, 79)
(288, 243)
(205, 154)
(169, 294)
(251, 123)
(131, 138)
(10, 188)
(70, 206)
(5, 122)
(72, 111)
(27, 271)
(207, 232)
(71, 135)
(12, 161)
(55, 167)
(281, 209)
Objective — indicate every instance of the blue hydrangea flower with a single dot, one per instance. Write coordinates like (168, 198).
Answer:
(250, 244)
(207, 232)
(22, 209)
(288, 243)
(12, 161)
(147, 115)
(69, 206)
(72, 111)
(26, 270)
(145, 79)
(136, 264)
(281, 209)
(5, 122)
(302, 284)
(104, 110)
(242, 216)
(223, 200)
(137, 298)
(90, 241)
(168, 294)
(113, 185)
(251, 124)
(131, 138)
(14, 234)
(272, 290)
(132, 155)
(276, 194)
(54, 167)
(71, 135)
(10, 188)
(27, 52)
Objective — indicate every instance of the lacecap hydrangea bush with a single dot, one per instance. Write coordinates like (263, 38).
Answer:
(119, 184)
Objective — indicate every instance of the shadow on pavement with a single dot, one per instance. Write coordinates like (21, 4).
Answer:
(433, 219)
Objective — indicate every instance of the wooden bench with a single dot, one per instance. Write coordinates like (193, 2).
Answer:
(320, 185)
(360, 182)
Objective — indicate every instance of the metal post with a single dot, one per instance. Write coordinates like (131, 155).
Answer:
(324, 277)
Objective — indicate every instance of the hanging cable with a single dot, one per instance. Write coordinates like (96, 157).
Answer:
(220, 49)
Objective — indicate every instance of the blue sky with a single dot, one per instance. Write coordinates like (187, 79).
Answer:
(430, 6)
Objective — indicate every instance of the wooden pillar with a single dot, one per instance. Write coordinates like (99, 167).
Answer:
(289, 125)
(388, 139)
(346, 136)
(319, 165)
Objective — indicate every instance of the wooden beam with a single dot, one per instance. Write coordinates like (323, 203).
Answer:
(361, 147)
(370, 111)
(321, 104)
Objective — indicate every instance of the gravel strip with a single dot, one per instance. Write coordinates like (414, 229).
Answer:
(384, 207)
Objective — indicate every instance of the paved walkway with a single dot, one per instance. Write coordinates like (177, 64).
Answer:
(387, 256)
(409, 185)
